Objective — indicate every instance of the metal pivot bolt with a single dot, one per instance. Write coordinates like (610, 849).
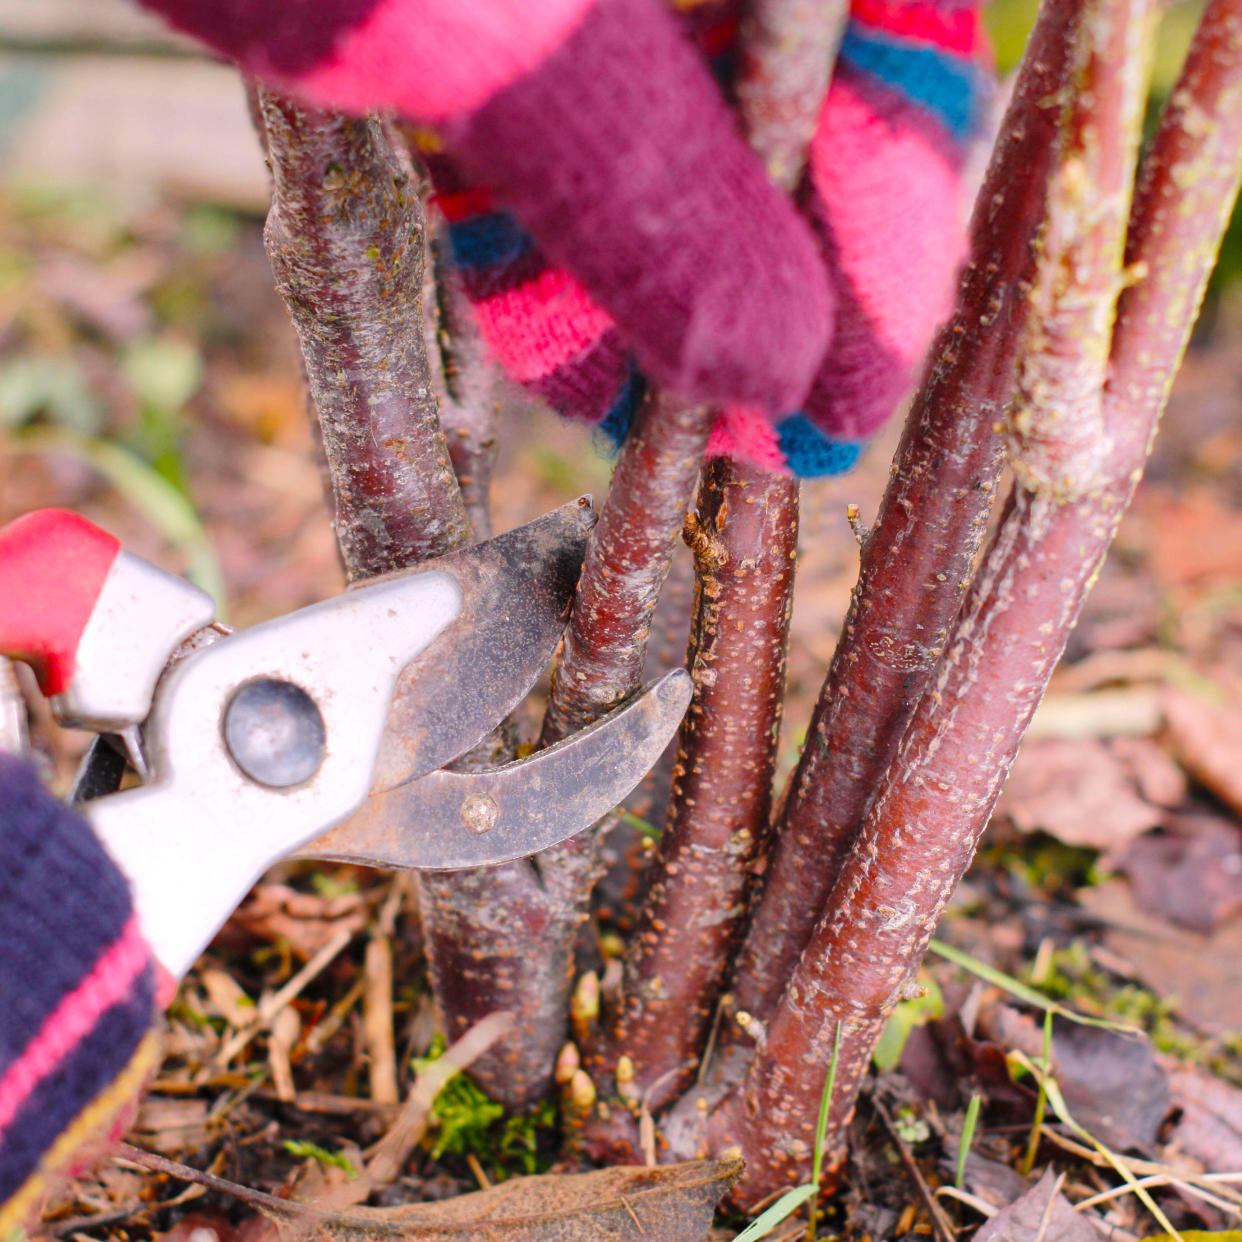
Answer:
(480, 812)
(275, 733)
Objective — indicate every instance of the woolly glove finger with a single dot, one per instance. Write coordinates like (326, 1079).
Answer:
(78, 982)
(883, 188)
(598, 123)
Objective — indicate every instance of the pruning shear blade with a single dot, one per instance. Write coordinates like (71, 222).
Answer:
(450, 820)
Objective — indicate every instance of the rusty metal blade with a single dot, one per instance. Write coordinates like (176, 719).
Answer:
(516, 592)
(449, 820)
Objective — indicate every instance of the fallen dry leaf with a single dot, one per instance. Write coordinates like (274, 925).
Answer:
(206, 1226)
(1154, 773)
(669, 1203)
(1210, 1128)
(673, 1203)
(1199, 974)
(305, 920)
(172, 1125)
(1040, 1213)
(1207, 740)
(990, 1180)
(1193, 537)
(1112, 1082)
(1190, 874)
(1078, 792)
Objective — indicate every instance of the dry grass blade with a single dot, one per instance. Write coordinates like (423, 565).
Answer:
(391, 1152)
(270, 1007)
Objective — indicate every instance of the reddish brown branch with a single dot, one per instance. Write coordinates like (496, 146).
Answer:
(345, 240)
(486, 934)
(1056, 431)
(744, 538)
(919, 555)
(628, 558)
(629, 848)
(627, 562)
(522, 959)
(921, 831)
(1187, 185)
(346, 237)
(599, 666)
(788, 50)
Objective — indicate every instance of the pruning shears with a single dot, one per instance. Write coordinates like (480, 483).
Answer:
(320, 734)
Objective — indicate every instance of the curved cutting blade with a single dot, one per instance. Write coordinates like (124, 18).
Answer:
(516, 593)
(448, 820)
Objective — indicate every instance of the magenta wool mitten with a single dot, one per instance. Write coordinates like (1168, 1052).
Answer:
(597, 123)
(77, 994)
(883, 189)
(540, 323)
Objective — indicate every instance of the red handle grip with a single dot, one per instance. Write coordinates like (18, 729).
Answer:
(52, 568)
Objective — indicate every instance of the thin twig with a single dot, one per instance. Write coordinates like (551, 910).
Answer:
(387, 1158)
(940, 1222)
(270, 1008)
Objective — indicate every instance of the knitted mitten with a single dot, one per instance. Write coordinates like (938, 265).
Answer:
(77, 993)
(883, 191)
(598, 124)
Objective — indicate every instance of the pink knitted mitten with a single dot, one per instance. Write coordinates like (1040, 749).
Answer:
(597, 123)
(883, 191)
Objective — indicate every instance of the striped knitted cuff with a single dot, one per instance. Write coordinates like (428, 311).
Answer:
(78, 984)
(620, 155)
(883, 192)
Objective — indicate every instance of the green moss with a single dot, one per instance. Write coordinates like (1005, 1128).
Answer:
(465, 1121)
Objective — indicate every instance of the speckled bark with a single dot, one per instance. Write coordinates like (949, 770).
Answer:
(486, 930)
(599, 666)
(744, 536)
(1187, 185)
(627, 561)
(918, 557)
(487, 936)
(921, 831)
(345, 239)
(716, 826)
(788, 50)
(627, 851)
(601, 658)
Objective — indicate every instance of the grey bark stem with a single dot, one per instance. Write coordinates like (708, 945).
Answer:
(345, 239)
